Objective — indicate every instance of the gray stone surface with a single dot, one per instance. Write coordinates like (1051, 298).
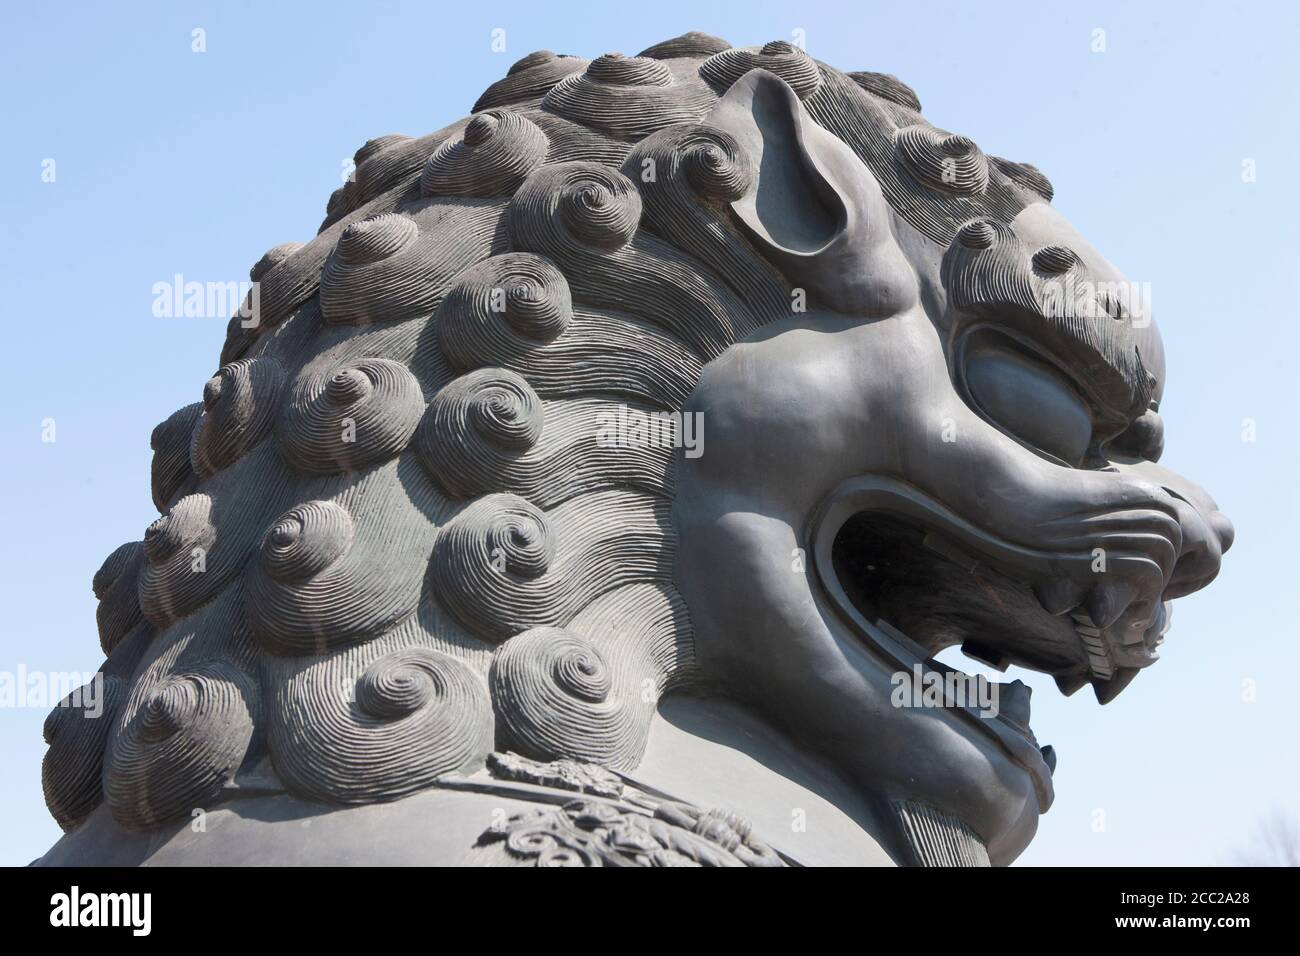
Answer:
(420, 594)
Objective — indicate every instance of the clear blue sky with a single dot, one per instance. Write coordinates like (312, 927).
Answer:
(174, 162)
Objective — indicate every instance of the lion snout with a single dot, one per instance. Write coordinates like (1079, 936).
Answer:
(1206, 532)
(1206, 536)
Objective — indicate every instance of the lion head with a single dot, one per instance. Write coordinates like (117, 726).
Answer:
(421, 512)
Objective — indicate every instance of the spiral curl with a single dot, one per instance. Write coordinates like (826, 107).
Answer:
(393, 267)
(503, 565)
(496, 152)
(415, 715)
(584, 217)
(383, 163)
(247, 323)
(781, 57)
(376, 272)
(272, 258)
(307, 540)
(716, 166)
(116, 588)
(348, 416)
(322, 581)
(530, 77)
(1026, 175)
(628, 97)
(477, 425)
(978, 234)
(699, 171)
(557, 696)
(888, 87)
(602, 209)
(77, 732)
(239, 405)
(182, 740)
(499, 406)
(576, 203)
(692, 44)
(489, 431)
(504, 306)
(170, 472)
(1054, 260)
(168, 586)
(489, 564)
(942, 160)
(515, 311)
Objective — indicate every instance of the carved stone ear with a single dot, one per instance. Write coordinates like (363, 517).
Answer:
(815, 210)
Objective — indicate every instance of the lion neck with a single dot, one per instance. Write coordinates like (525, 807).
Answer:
(715, 752)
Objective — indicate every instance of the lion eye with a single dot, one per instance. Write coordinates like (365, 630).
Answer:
(1029, 400)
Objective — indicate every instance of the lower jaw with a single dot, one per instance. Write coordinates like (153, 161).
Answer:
(979, 792)
(967, 697)
(1005, 724)
(969, 774)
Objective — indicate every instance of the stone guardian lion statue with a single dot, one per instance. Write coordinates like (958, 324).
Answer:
(430, 587)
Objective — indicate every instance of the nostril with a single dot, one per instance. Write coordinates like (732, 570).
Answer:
(1223, 528)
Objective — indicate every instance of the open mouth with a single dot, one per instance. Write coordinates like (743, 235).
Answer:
(939, 594)
(917, 578)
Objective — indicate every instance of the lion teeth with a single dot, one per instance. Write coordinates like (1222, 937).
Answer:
(1013, 702)
(1131, 636)
(985, 654)
(1099, 662)
(1069, 684)
(1058, 596)
(1108, 690)
(1049, 757)
(1108, 601)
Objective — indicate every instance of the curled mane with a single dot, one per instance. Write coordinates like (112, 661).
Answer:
(391, 540)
